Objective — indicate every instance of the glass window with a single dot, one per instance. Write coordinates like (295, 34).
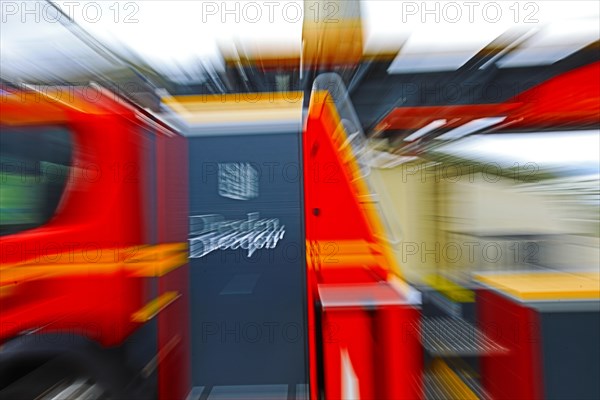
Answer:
(34, 168)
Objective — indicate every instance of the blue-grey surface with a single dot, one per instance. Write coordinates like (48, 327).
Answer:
(571, 353)
(248, 312)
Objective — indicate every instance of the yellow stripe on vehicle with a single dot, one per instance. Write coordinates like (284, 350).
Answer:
(134, 261)
(154, 307)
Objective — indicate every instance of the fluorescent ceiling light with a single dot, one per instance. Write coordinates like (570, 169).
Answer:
(441, 48)
(553, 43)
(425, 130)
(470, 127)
(572, 149)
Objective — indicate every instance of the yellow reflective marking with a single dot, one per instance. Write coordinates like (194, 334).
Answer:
(152, 309)
(134, 261)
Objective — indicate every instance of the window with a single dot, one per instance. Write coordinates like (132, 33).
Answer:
(34, 168)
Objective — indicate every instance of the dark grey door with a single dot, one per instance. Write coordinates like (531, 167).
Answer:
(247, 265)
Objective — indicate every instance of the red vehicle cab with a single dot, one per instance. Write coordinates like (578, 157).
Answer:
(93, 225)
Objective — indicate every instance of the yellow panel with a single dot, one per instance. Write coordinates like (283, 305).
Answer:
(545, 285)
(238, 108)
(450, 289)
(235, 100)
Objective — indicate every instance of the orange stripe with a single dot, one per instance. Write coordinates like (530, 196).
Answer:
(138, 261)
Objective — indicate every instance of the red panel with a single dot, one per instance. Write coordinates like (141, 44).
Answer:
(413, 118)
(517, 374)
(311, 297)
(332, 210)
(103, 208)
(398, 354)
(364, 353)
(572, 98)
(174, 370)
(350, 332)
(99, 213)
(100, 206)
(172, 182)
(569, 99)
(382, 354)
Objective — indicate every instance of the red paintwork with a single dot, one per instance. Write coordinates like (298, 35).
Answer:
(99, 210)
(105, 209)
(383, 347)
(517, 374)
(328, 183)
(413, 118)
(344, 252)
(175, 378)
(570, 99)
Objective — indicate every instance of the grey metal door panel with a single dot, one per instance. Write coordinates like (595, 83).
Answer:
(247, 279)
